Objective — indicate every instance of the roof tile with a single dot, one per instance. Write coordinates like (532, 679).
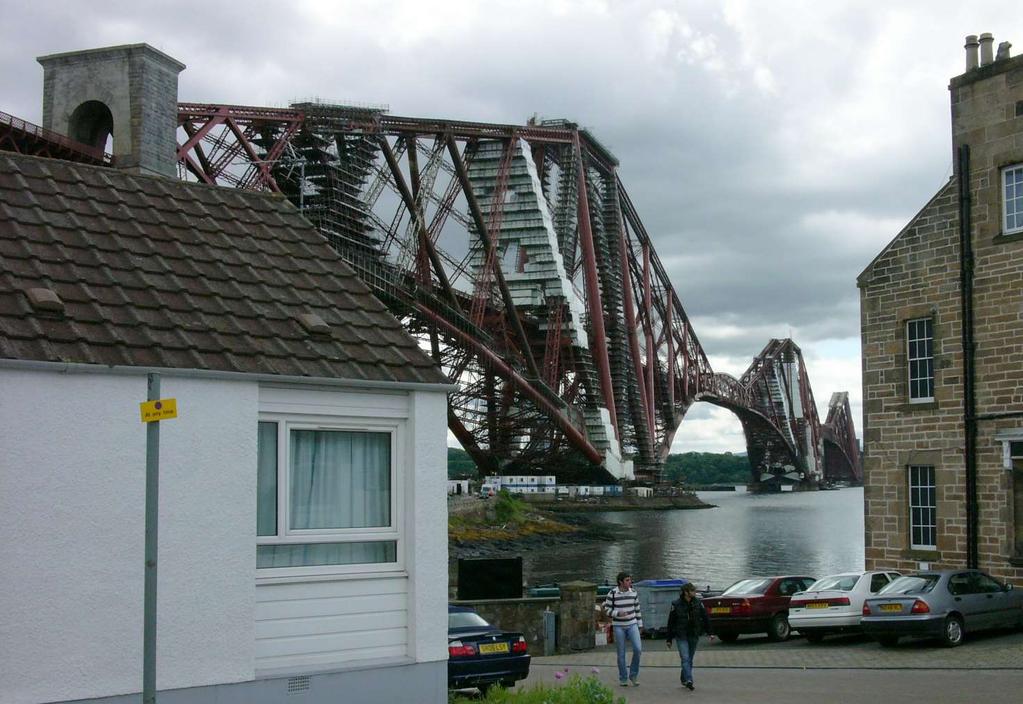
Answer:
(160, 273)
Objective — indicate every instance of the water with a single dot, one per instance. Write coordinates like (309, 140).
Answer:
(813, 533)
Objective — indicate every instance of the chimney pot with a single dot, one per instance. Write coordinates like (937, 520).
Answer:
(1003, 51)
(986, 49)
(971, 52)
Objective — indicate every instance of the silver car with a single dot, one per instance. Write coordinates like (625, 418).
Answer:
(945, 604)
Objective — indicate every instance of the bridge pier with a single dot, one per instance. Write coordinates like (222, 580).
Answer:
(775, 487)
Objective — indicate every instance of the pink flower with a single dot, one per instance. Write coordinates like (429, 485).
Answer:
(559, 675)
(595, 670)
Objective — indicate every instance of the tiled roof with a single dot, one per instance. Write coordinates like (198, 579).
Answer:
(159, 273)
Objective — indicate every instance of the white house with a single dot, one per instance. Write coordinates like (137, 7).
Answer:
(300, 554)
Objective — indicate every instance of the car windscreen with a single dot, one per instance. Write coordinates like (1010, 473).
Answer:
(466, 619)
(748, 586)
(917, 584)
(838, 582)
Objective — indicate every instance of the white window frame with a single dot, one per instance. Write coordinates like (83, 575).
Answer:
(1016, 200)
(285, 535)
(910, 359)
(933, 525)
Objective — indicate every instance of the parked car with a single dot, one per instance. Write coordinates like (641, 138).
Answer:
(480, 654)
(834, 604)
(945, 604)
(756, 605)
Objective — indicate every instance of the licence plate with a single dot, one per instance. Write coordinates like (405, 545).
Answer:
(491, 648)
(817, 605)
(891, 607)
(721, 610)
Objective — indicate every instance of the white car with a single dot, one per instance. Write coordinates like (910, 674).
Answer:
(834, 604)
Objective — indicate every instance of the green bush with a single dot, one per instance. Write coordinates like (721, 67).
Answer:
(507, 508)
(576, 690)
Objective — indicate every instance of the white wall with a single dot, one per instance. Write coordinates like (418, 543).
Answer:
(351, 620)
(428, 565)
(72, 487)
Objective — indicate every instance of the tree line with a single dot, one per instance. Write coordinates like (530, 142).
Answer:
(687, 468)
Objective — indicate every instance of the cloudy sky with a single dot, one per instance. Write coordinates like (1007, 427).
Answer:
(772, 148)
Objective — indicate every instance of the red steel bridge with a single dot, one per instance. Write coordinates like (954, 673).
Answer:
(516, 256)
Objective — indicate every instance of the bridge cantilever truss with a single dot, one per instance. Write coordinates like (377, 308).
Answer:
(515, 254)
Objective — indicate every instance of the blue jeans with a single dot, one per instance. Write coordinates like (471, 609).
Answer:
(630, 633)
(686, 650)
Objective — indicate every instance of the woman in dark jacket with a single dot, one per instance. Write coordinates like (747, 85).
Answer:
(686, 621)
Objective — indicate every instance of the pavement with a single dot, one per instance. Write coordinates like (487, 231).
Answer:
(987, 667)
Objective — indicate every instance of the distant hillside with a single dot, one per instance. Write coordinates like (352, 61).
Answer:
(460, 465)
(691, 468)
(700, 468)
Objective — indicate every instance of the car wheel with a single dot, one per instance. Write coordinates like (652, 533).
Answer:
(779, 629)
(728, 637)
(813, 637)
(952, 631)
(888, 641)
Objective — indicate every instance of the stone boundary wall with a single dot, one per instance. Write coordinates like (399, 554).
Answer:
(575, 623)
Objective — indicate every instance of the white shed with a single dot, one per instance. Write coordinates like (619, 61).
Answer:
(299, 546)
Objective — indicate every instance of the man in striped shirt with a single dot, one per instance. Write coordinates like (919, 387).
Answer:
(622, 604)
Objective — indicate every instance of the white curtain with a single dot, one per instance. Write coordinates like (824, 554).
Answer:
(266, 480)
(337, 479)
(340, 479)
(309, 554)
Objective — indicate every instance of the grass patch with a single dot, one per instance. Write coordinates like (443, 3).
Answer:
(506, 517)
(577, 690)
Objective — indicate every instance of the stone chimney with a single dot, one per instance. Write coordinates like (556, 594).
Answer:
(986, 48)
(972, 60)
(127, 93)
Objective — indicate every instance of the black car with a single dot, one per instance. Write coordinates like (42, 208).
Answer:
(481, 654)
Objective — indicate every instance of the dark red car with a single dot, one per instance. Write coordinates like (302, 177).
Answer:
(755, 605)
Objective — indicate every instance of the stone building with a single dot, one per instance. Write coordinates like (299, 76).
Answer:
(943, 430)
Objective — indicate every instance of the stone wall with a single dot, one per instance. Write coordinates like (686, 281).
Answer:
(524, 615)
(574, 610)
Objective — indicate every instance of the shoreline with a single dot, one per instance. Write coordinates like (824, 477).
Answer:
(621, 503)
(547, 523)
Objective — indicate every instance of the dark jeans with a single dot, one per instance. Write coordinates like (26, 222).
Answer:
(686, 650)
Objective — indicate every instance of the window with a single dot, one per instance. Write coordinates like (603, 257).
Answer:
(1016, 462)
(877, 582)
(983, 584)
(960, 584)
(325, 496)
(920, 355)
(923, 507)
(1012, 199)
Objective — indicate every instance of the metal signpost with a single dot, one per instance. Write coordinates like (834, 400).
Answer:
(152, 411)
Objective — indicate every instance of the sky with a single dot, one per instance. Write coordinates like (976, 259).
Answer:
(772, 149)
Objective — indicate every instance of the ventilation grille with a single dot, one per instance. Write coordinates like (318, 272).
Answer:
(298, 684)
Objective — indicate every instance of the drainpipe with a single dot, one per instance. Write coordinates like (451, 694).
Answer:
(969, 394)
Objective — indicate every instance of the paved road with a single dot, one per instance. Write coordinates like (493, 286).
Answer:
(776, 686)
(987, 668)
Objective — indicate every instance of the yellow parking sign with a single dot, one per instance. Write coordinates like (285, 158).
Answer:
(161, 409)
